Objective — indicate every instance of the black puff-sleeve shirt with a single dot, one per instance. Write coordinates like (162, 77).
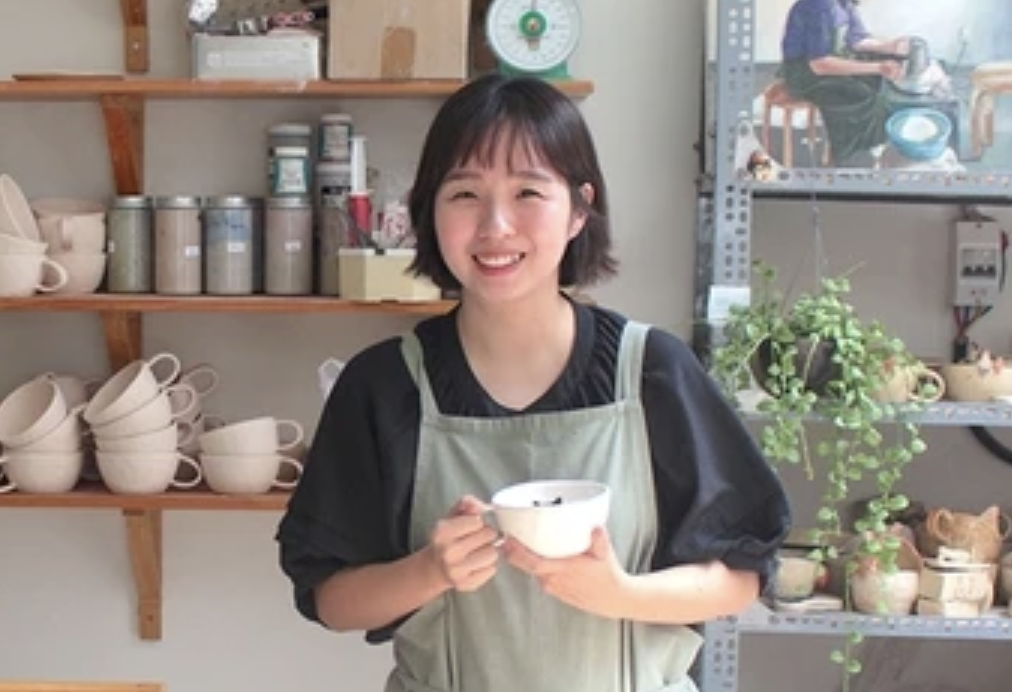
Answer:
(717, 497)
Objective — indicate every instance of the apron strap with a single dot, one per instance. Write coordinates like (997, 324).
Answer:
(629, 370)
(411, 350)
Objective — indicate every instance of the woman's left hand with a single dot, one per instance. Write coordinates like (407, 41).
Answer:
(592, 581)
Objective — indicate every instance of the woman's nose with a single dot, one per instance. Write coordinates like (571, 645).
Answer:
(494, 221)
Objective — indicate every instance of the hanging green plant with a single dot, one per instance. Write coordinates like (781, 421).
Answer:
(820, 362)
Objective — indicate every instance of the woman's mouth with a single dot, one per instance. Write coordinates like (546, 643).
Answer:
(498, 261)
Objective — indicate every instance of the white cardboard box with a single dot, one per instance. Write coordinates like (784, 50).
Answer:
(281, 57)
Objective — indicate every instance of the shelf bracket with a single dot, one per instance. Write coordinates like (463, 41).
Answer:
(144, 535)
(136, 48)
(122, 337)
(124, 129)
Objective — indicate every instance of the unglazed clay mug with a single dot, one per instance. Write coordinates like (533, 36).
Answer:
(248, 474)
(131, 387)
(41, 472)
(31, 412)
(906, 383)
(25, 275)
(254, 436)
(71, 225)
(165, 408)
(146, 473)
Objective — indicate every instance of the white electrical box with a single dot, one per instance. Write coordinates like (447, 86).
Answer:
(976, 263)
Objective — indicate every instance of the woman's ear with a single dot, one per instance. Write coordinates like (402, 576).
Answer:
(586, 191)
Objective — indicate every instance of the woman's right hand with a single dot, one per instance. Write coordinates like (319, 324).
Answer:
(463, 547)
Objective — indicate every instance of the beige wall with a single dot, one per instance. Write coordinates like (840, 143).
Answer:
(66, 600)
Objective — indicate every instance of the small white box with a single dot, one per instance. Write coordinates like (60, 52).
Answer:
(282, 57)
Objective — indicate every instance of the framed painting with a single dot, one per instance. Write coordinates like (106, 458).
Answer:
(871, 97)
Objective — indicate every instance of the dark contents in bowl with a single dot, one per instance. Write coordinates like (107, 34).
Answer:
(548, 503)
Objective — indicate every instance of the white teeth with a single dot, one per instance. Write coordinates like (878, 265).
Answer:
(497, 260)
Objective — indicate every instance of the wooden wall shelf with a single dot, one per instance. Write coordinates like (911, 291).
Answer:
(56, 89)
(122, 303)
(94, 495)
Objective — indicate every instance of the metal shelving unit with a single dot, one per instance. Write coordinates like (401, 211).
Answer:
(723, 273)
(719, 672)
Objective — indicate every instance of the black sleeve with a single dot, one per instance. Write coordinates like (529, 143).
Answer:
(352, 504)
(718, 497)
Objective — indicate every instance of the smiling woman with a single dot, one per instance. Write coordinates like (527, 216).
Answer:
(389, 530)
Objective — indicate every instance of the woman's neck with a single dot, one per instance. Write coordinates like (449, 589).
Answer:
(517, 353)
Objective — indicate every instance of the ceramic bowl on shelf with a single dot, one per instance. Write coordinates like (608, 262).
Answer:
(554, 518)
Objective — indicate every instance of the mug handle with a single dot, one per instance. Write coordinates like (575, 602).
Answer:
(8, 484)
(288, 485)
(296, 429)
(61, 273)
(174, 362)
(936, 379)
(198, 372)
(192, 399)
(198, 473)
(185, 433)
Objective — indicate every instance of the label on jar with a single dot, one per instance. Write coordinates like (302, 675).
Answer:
(235, 247)
(292, 246)
(291, 176)
(191, 251)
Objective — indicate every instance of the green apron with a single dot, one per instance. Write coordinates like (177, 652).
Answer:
(508, 636)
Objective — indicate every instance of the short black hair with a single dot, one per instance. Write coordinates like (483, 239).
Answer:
(531, 113)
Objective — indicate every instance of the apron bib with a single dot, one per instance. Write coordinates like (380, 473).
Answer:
(508, 635)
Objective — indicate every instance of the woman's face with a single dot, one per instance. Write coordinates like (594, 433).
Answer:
(503, 229)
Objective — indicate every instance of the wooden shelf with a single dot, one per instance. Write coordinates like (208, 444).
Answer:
(105, 302)
(148, 88)
(94, 495)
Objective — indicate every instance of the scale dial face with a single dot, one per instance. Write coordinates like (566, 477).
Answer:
(533, 35)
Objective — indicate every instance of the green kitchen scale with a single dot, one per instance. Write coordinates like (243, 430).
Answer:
(533, 37)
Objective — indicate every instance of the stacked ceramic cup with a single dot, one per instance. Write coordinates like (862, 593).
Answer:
(134, 418)
(247, 457)
(24, 267)
(74, 230)
(42, 439)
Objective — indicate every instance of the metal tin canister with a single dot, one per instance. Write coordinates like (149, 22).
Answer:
(178, 245)
(230, 237)
(288, 246)
(130, 245)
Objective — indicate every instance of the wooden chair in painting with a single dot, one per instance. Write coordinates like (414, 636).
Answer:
(777, 97)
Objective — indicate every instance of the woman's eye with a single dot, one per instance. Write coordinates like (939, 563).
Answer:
(460, 194)
(530, 192)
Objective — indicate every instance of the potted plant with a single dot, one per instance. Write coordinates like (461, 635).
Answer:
(818, 360)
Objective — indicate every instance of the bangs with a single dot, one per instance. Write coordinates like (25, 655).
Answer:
(480, 142)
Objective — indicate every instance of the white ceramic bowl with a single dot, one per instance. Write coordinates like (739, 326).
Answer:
(554, 518)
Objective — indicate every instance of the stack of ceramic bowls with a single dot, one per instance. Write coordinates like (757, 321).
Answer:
(24, 267)
(134, 418)
(42, 439)
(246, 457)
(75, 232)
